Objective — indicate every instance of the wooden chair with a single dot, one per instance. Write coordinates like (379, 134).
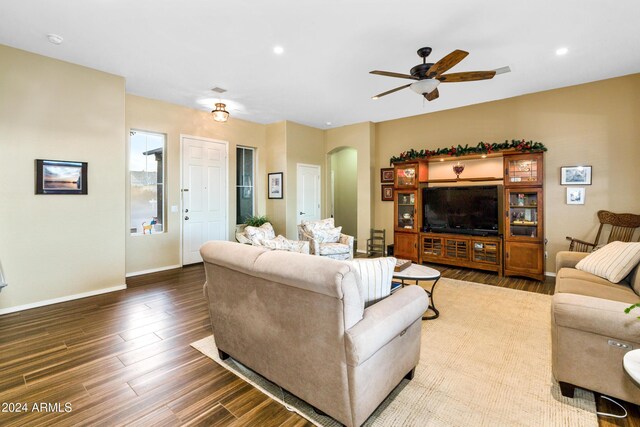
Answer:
(375, 243)
(623, 227)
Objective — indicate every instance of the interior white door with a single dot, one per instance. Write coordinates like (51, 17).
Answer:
(204, 195)
(308, 183)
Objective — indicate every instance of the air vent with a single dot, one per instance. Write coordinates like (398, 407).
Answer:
(218, 90)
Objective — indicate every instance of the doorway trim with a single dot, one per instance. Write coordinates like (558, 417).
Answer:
(226, 189)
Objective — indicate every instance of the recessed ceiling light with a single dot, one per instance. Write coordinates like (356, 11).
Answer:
(278, 50)
(54, 38)
(328, 123)
(562, 51)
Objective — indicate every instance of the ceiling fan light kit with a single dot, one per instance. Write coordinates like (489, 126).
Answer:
(429, 75)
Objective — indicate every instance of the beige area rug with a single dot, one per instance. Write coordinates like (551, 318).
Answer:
(485, 362)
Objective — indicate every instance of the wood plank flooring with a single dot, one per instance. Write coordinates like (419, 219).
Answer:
(124, 359)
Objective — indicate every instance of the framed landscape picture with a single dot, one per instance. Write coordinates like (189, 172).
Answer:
(386, 175)
(387, 193)
(575, 175)
(61, 177)
(275, 185)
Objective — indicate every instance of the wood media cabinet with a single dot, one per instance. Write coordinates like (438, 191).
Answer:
(518, 250)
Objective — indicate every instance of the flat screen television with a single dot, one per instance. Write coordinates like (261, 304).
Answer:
(464, 210)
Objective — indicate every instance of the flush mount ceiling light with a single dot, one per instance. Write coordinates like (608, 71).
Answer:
(54, 38)
(220, 114)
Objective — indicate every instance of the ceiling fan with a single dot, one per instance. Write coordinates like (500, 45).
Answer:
(428, 76)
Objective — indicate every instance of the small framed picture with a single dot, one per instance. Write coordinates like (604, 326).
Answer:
(386, 175)
(275, 185)
(387, 193)
(61, 177)
(575, 195)
(575, 175)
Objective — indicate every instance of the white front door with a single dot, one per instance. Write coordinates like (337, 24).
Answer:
(308, 182)
(204, 195)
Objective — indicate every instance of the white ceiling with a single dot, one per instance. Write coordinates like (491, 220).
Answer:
(176, 51)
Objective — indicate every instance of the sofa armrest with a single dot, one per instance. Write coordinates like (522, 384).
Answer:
(384, 321)
(596, 315)
(566, 259)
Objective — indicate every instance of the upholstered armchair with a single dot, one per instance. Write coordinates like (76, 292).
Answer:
(265, 237)
(325, 239)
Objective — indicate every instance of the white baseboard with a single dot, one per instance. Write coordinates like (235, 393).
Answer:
(153, 270)
(61, 299)
(550, 274)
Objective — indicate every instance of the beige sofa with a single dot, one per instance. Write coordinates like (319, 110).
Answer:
(590, 331)
(300, 321)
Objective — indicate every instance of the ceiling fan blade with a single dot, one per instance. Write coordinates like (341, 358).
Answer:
(447, 62)
(468, 76)
(432, 95)
(392, 74)
(380, 95)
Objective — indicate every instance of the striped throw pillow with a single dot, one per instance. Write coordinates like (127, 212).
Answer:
(613, 262)
(376, 275)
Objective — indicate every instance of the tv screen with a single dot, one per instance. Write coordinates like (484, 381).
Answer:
(473, 209)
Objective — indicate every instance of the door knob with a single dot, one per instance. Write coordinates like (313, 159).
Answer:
(186, 218)
(186, 210)
(302, 213)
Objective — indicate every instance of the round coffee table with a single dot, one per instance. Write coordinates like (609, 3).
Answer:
(417, 272)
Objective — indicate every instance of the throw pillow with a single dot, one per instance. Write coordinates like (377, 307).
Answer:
(613, 261)
(376, 275)
(330, 235)
(257, 234)
(323, 224)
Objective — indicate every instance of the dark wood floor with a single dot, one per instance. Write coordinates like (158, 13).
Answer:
(124, 359)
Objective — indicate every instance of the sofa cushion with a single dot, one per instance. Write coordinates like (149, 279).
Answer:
(323, 224)
(572, 281)
(613, 261)
(376, 275)
(257, 234)
(333, 248)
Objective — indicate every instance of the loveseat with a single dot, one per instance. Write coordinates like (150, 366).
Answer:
(300, 321)
(590, 330)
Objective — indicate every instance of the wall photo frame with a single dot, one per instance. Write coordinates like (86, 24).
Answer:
(575, 195)
(61, 177)
(386, 175)
(387, 193)
(575, 175)
(276, 187)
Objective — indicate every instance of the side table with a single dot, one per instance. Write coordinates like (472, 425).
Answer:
(417, 272)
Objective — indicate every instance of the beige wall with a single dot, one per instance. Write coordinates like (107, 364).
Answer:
(361, 137)
(344, 168)
(277, 162)
(160, 250)
(305, 145)
(591, 124)
(55, 246)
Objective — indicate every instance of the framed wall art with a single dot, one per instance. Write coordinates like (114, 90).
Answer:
(61, 177)
(386, 175)
(275, 185)
(387, 193)
(575, 195)
(575, 175)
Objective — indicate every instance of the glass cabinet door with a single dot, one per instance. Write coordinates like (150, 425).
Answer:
(524, 214)
(406, 176)
(523, 170)
(406, 210)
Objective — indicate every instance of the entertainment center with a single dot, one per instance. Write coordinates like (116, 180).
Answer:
(492, 223)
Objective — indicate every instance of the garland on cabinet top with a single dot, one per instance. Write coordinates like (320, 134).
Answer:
(481, 148)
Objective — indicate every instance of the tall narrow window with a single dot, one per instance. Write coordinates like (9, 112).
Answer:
(244, 183)
(146, 170)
